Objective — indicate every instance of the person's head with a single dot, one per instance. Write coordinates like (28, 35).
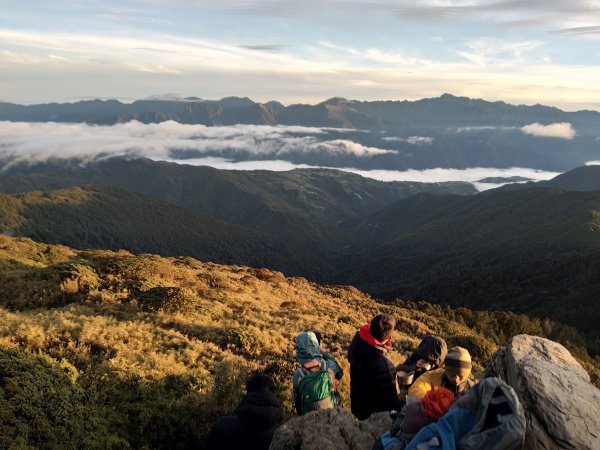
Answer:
(432, 351)
(432, 406)
(457, 365)
(258, 382)
(382, 327)
(307, 347)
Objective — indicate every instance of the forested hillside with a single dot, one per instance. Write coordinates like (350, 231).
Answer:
(530, 250)
(108, 218)
(301, 205)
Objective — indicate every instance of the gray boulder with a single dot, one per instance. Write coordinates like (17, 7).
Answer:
(561, 406)
(330, 429)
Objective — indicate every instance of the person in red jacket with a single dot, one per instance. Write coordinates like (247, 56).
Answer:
(373, 385)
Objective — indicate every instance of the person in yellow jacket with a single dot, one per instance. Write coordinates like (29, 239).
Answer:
(454, 376)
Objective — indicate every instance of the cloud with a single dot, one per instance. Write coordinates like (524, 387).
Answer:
(239, 147)
(39, 141)
(563, 130)
(263, 48)
(579, 30)
(412, 140)
(532, 13)
(125, 65)
(488, 51)
(439, 175)
(477, 128)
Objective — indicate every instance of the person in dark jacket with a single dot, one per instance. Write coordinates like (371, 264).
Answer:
(373, 385)
(428, 356)
(254, 421)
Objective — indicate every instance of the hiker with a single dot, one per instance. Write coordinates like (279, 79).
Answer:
(253, 423)
(415, 416)
(319, 390)
(489, 416)
(454, 376)
(373, 385)
(428, 356)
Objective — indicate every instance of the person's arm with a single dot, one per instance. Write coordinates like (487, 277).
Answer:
(295, 394)
(420, 387)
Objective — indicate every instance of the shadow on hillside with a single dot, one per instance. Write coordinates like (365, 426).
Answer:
(51, 406)
(104, 218)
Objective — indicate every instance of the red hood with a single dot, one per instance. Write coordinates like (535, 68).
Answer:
(365, 335)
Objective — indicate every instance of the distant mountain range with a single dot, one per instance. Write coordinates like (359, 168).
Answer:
(531, 250)
(448, 131)
(445, 111)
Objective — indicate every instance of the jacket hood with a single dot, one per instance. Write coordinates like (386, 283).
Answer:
(259, 409)
(432, 349)
(360, 350)
(307, 347)
(365, 335)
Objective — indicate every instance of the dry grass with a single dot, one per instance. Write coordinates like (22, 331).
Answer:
(114, 316)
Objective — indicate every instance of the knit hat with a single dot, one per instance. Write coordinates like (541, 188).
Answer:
(437, 403)
(458, 362)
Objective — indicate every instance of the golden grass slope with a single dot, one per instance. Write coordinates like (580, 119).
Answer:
(161, 346)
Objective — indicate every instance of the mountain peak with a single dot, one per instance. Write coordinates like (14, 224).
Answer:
(236, 102)
(336, 101)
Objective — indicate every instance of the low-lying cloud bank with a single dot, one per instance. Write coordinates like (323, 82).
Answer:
(239, 147)
(562, 130)
(40, 141)
(471, 175)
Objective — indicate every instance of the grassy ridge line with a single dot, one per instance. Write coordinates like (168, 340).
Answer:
(151, 350)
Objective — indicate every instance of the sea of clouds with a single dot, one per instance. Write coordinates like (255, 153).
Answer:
(254, 146)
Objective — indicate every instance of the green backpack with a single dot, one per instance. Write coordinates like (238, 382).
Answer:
(316, 389)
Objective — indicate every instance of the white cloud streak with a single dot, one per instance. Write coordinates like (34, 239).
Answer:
(563, 130)
(438, 175)
(547, 14)
(412, 140)
(39, 141)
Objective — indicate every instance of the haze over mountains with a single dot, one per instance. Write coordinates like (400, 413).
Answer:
(446, 132)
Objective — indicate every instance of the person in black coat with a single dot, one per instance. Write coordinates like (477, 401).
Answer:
(254, 421)
(373, 385)
(428, 356)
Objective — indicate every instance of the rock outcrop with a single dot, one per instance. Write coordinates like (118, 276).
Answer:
(561, 406)
(330, 429)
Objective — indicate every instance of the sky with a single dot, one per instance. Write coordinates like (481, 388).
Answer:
(519, 51)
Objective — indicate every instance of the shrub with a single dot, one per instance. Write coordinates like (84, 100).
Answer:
(166, 299)
(479, 347)
(42, 407)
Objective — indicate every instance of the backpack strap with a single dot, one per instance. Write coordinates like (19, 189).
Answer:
(309, 369)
